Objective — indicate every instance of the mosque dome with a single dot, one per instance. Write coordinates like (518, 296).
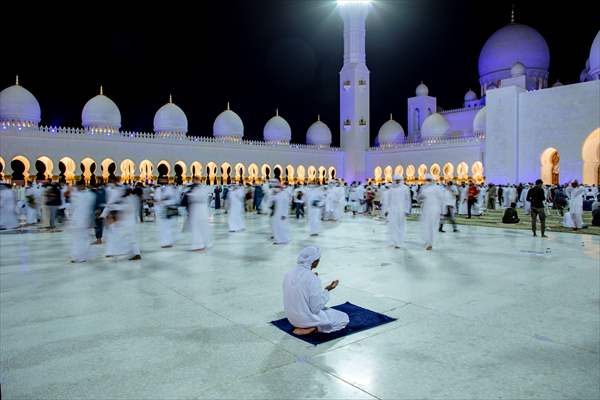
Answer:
(557, 84)
(510, 44)
(228, 125)
(517, 69)
(17, 104)
(390, 133)
(594, 60)
(422, 90)
(434, 125)
(277, 130)
(170, 119)
(479, 121)
(101, 112)
(318, 134)
(470, 96)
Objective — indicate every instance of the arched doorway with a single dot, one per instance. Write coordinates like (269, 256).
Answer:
(108, 167)
(550, 166)
(253, 173)
(377, 174)
(477, 171)
(448, 171)
(590, 154)
(146, 171)
(422, 171)
(20, 166)
(410, 173)
(462, 170)
(387, 173)
(66, 168)
(300, 173)
(435, 171)
(399, 170)
(278, 172)
(180, 172)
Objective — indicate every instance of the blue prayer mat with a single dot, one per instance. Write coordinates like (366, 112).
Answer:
(360, 319)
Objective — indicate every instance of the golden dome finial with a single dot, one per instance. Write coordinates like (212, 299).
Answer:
(277, 112)
(228, 106)
(101, 91)
(170, 98)
(17, 80)
(391, 117)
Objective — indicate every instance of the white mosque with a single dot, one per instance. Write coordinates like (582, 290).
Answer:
(517, 129)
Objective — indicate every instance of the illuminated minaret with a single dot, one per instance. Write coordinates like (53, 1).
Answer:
(354, 90)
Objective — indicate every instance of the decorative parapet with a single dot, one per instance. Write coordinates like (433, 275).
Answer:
(150, 137)
(463, 109)
(476, 138)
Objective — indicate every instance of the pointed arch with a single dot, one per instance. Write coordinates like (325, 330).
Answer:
(399, 170)
(289, 171)
(462, 170)
(146, 171)
(388, 172)
(448, 171)
(377, 173)
(435, 170)
(410, 172)
(332, 173)
(301, 173)
(196, 169)
(422, 171)
(253, 173)
(312, 174)
(127, 169)
(590, 155)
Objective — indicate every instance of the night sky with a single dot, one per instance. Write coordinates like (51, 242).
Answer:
(263, 54)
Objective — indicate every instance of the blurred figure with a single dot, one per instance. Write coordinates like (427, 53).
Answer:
(82, 205)
(432, 200)
(8, 208)
(397, 207)
(198, 203)
(235, 198)
(576, 193)
(510, 215)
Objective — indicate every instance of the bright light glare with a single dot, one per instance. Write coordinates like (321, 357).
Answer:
(342, 2)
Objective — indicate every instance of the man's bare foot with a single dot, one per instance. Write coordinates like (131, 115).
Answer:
(429, 248)
(136, 257)
(303, 331)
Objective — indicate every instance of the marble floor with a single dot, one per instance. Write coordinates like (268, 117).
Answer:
(489, 314)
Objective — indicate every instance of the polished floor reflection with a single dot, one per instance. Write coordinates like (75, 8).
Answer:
(490, 313)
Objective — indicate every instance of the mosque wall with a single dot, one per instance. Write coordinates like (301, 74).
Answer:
(561, 118)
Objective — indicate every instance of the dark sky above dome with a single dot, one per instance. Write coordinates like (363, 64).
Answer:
(266, 54)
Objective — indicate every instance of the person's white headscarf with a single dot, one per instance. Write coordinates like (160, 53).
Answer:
(308, 255)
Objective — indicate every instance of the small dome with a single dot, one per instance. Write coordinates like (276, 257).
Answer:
(492, 86)
(277, 130)
(170, 119)
(19, 105)
(594, 60)
(470, 96)
(101, 112)
(479, 121)
(517, 69)
(318, 134)
(228, 125)
(422, 90)
(390, 133)
(434, 125)
(557, 84)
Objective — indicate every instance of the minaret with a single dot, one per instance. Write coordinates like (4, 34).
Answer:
(354, 90)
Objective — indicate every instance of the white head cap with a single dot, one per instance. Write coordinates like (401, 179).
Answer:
(308, 255)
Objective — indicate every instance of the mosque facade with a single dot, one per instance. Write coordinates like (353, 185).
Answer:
(515, 129)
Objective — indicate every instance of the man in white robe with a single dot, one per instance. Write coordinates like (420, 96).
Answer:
(8, 208)
(235, 218)
(165, 198)
(199, 200)
(280, 203)
(431, 198)
(314, 202)
(304, 299)
(576, 193)
(523, 199)
(462, 200)
(397, 208)
(82, 204)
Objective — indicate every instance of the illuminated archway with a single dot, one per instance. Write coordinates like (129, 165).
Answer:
(2, 166)
(388, 172)
(289, 170)
(462, 171)
(20, 166)
(127, 168)
(278, 172)
(322, 174)
(332, 173)
(49, 172)
(180, 172)
(88, 169)
(550, 166)
(448, 171)
(108, 167)
(435, 170)
(196, 169)
(312, 174)
(240, 171)
(211, 172)
(399, 170)
(422, 171)
(266, 171)
(253, 173)
(410, 173)
(301, 173)
(377, 172)
(477, 171)
(590, 154)
(66, 167)
(146, 171)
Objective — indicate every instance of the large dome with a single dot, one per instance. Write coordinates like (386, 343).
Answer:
(228, 125)
(390, 133)
(100, 112)
(510, 44)
(594, 60)
(277, 130)
(318, 134)
(470, 95)
(479, 121)
(170, 119)
(17, 104)
(434, 125)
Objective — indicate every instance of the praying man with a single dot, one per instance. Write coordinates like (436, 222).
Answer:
(304, 299)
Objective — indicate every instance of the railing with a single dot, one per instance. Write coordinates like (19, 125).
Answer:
(477, 137)
(457, 110)
(150, 137)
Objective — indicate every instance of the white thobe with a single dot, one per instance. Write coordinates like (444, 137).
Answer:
(8, 205)
(126, 224)
(576, 204)
(432, 201)
(235, 218)
(523, 200)
(199, 198)
(114, 244)
(304, 301)
(462, 201)
(398, 206)
(82, 203)
(314, 202)
(164, 197)
(279, 220)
